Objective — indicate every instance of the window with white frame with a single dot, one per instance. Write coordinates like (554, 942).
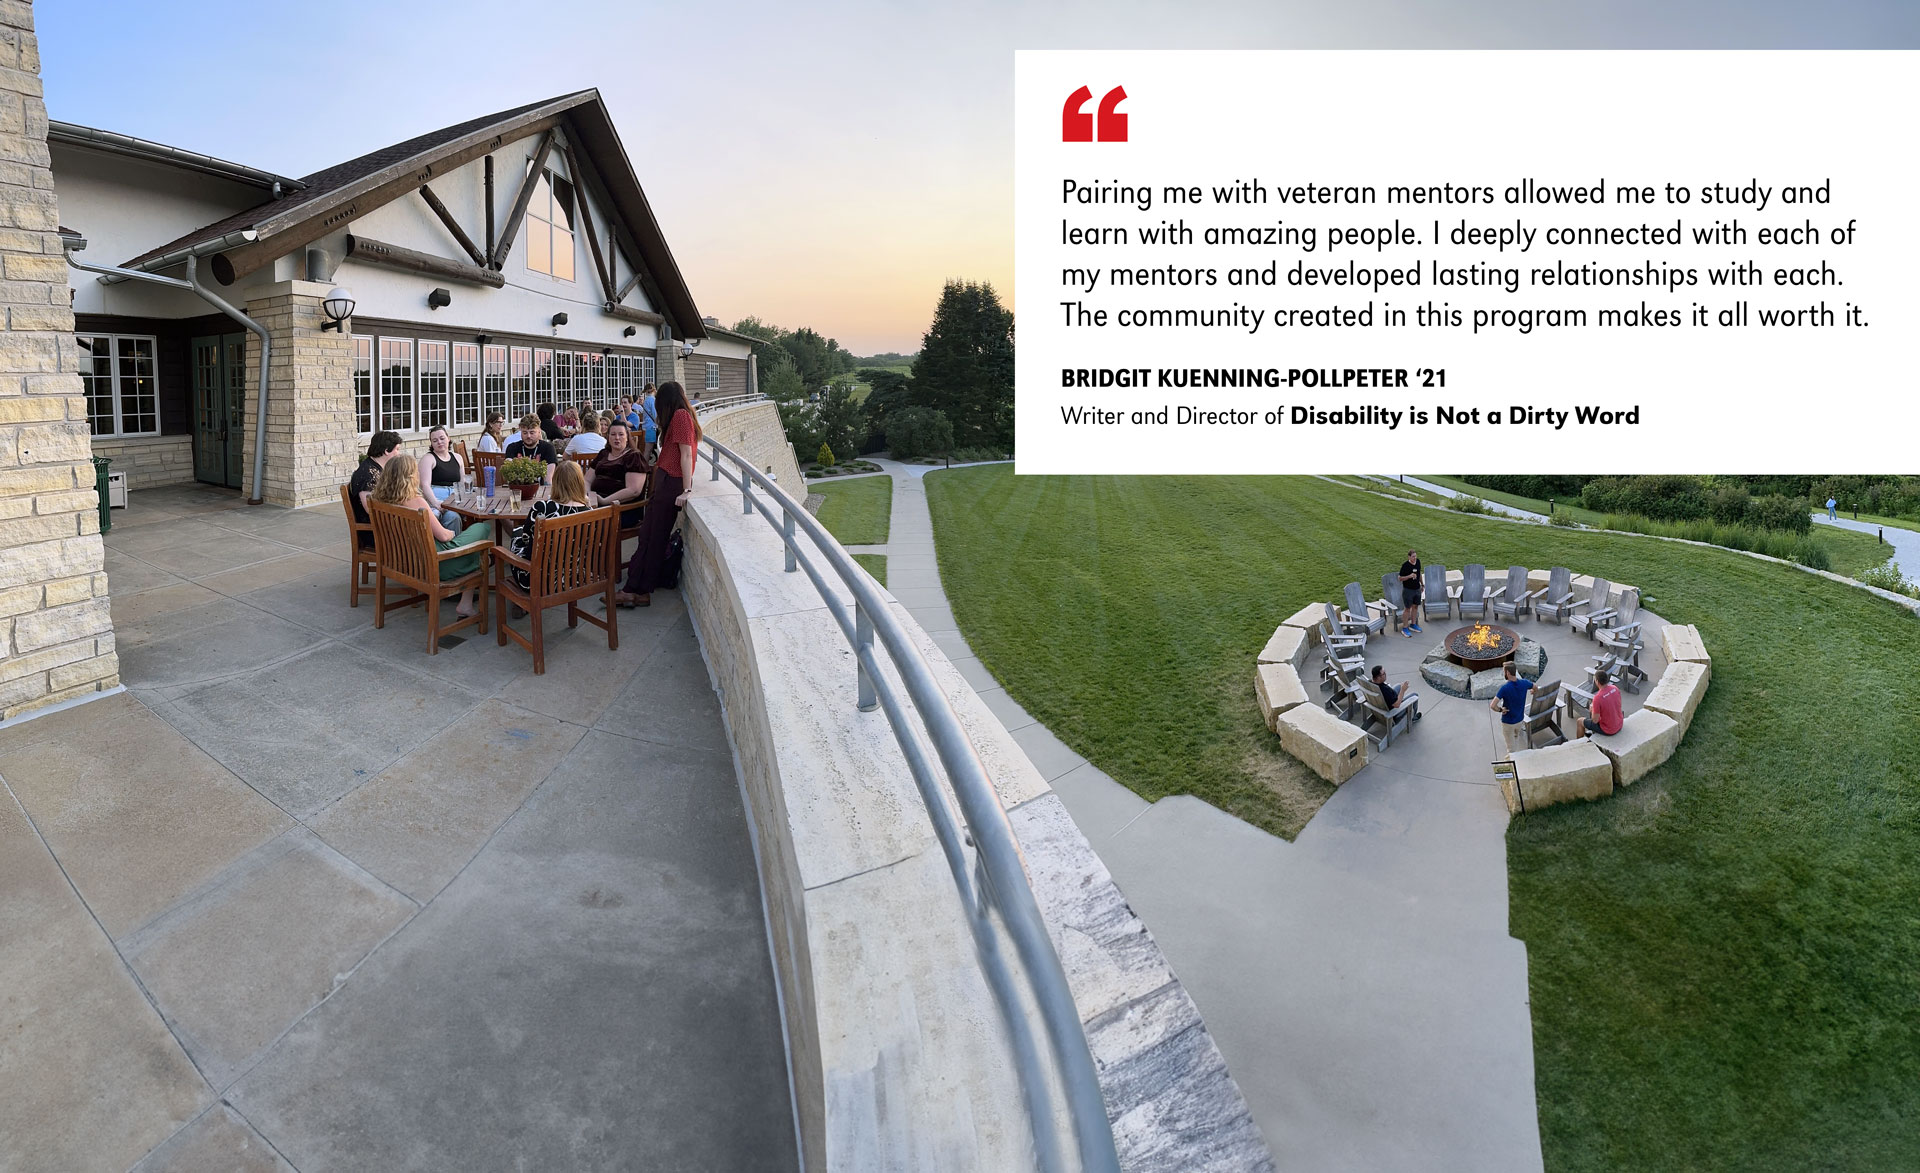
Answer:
(433, 384)
(522, 398)
(562, 378)
(542, 376)
(396, 384)
(494, 384)
(123, 395)
(362, 383)
(593, 388)
(466, 383)
(713, 376)
(549, 227)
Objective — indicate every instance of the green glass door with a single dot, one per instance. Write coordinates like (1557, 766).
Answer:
(219, 365)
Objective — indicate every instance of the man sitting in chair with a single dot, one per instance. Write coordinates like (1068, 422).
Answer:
(1392, 694)
(1605, 716)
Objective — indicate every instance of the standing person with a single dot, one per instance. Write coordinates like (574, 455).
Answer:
(649, 421)
(672, 476)
(399, 484)
(1410, 587)
(620, 474)
(1831, 506)
(630, 412)
(1605, 715)
(380, 450)
(494, 439)
(1511, 701)
(587, 440)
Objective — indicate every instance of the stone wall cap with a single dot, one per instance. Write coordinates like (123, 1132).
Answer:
(288, 288)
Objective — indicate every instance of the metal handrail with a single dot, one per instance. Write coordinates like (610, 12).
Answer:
(998, 883)
(729, 401)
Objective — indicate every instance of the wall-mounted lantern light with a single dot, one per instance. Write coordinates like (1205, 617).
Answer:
(560, 319)
(629, 332)
(606, 350)
(338, 306)
(483, 339)
(439, 298)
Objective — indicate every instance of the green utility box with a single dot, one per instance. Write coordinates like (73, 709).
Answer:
(100, 466)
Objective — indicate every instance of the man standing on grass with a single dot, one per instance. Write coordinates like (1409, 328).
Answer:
(1410, 588)
(1606, 717)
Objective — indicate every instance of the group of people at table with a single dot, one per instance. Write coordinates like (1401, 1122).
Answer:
(641, 459)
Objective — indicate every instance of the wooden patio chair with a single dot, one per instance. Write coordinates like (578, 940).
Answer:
(1437, 601)
(1543, 714)
(1473, 591)
(481, 462)
(1358, 614)
(1392, 721)
(573, 558)
(1511, 599)
(459, 448)
(1557, 603)
(1339, 633)
(1598, 614)
(1392, 598)
(404, 554)
(362, 551)
(1341, 671)
(583, 459)
(1344, 688)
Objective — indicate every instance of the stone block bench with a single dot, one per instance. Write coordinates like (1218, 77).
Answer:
(1279, 688)
(1646, 739)
(1559, 773)
(1289, 646)
(1323, 742)
(1682, 686)
(1682, 642)
(1311, 619)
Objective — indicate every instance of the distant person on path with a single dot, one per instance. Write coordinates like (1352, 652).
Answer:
(1511, 701)
(1410, 596)
(1392, 694)
(1831, 506)
(1606, 717)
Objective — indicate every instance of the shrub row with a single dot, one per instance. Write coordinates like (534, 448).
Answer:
(1688, 498)
(1775, 543)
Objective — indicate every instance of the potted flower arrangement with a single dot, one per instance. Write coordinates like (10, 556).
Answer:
(525, 474)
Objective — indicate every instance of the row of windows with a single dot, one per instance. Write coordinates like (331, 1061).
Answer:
(418, 384)
(122, 389)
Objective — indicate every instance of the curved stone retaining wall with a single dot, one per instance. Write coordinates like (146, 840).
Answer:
(755, 432)
(898, 1055)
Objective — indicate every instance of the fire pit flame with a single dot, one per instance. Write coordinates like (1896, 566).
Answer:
(1483, 637)
(1481, 646)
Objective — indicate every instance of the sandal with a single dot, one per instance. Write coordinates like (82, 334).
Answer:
(623, 599)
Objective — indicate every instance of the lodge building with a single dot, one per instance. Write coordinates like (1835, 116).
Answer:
(492, 265)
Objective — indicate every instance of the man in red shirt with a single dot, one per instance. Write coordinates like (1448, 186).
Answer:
(1606, 716)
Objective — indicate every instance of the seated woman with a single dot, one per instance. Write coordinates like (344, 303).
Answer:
(399, 484)
(620, 475)
(588, 440)
(548, 424)
(568, 420)
(568, 495)
(494, 439)
(440, 471)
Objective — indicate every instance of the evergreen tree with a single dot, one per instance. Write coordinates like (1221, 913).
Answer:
(965, 366)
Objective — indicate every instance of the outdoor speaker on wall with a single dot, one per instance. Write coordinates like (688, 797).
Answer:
(439, 298)
(560, 319)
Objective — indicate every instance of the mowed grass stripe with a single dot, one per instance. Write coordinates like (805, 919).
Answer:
(1724, 959)
(858, 511)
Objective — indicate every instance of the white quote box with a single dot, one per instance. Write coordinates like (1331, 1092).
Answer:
(1824, 135)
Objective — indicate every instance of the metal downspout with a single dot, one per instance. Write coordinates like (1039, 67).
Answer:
(266, 356)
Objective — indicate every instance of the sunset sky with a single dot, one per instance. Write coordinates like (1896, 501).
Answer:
(824, 164)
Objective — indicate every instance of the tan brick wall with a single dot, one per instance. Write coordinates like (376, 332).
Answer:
(149, 461)
(56, 632)
(755, 433)
(311, 445)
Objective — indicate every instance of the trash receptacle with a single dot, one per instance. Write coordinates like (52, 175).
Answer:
(100, 466)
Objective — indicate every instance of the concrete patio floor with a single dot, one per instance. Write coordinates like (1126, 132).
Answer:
(306, 897)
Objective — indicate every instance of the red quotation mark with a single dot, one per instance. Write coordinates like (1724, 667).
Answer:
(1076, 125)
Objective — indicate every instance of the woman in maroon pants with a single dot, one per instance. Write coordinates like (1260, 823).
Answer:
(672, 476)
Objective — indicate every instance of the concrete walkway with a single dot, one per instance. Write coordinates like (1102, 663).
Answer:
(1905, 543)
(309, 898)
(1360, 980)
(1495, 506)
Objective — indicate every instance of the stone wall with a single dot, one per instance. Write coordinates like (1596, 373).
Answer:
(149, 461)
(898, 1051)
(311, 445)
(56, 631)
(755, 432)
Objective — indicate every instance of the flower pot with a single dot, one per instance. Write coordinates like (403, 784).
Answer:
(527, 491)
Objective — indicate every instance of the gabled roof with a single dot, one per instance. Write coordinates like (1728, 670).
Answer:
(337, 194)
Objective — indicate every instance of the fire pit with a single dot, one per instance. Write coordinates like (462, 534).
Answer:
(1482, 646)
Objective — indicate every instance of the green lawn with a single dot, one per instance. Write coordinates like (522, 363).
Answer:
(857, 510)
(876, 565)
(1724, 960)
